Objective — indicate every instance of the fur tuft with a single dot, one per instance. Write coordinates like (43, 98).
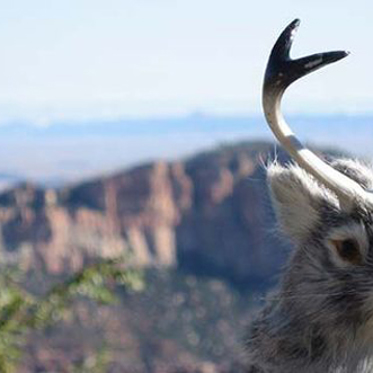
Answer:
(297, 198)
(356, 170)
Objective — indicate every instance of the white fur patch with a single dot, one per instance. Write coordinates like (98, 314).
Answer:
(356, 170)
(297, 198)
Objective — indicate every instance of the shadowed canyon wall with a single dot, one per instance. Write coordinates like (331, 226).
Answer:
(208, 214)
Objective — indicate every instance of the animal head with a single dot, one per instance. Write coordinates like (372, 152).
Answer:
(326, 209)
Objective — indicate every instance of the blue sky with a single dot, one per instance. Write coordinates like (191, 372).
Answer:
(90, 59)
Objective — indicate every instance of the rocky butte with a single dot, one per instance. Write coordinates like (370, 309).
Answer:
(209, 214)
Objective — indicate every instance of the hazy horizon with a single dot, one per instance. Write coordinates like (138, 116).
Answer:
(68, 152)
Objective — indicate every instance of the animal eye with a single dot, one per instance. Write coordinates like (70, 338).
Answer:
(348, 250)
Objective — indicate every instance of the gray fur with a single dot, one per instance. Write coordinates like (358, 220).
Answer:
(321, 318)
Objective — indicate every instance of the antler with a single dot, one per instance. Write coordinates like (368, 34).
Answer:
(281, 72)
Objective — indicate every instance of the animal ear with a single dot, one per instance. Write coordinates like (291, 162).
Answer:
(355, 170)
(297, 198)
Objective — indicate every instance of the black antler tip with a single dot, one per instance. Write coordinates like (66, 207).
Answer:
(294, 24)
(281, 49)
(282, 70)
(330, 57)
(292, 28)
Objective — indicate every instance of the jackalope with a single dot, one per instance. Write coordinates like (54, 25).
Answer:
(321, 318)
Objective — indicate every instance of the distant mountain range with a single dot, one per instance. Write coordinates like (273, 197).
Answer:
(196, 123)
(65, 152)
(206, 213)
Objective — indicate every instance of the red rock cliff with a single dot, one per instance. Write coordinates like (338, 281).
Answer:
(208, 213)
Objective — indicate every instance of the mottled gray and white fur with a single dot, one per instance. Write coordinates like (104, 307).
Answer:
(321, 318)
